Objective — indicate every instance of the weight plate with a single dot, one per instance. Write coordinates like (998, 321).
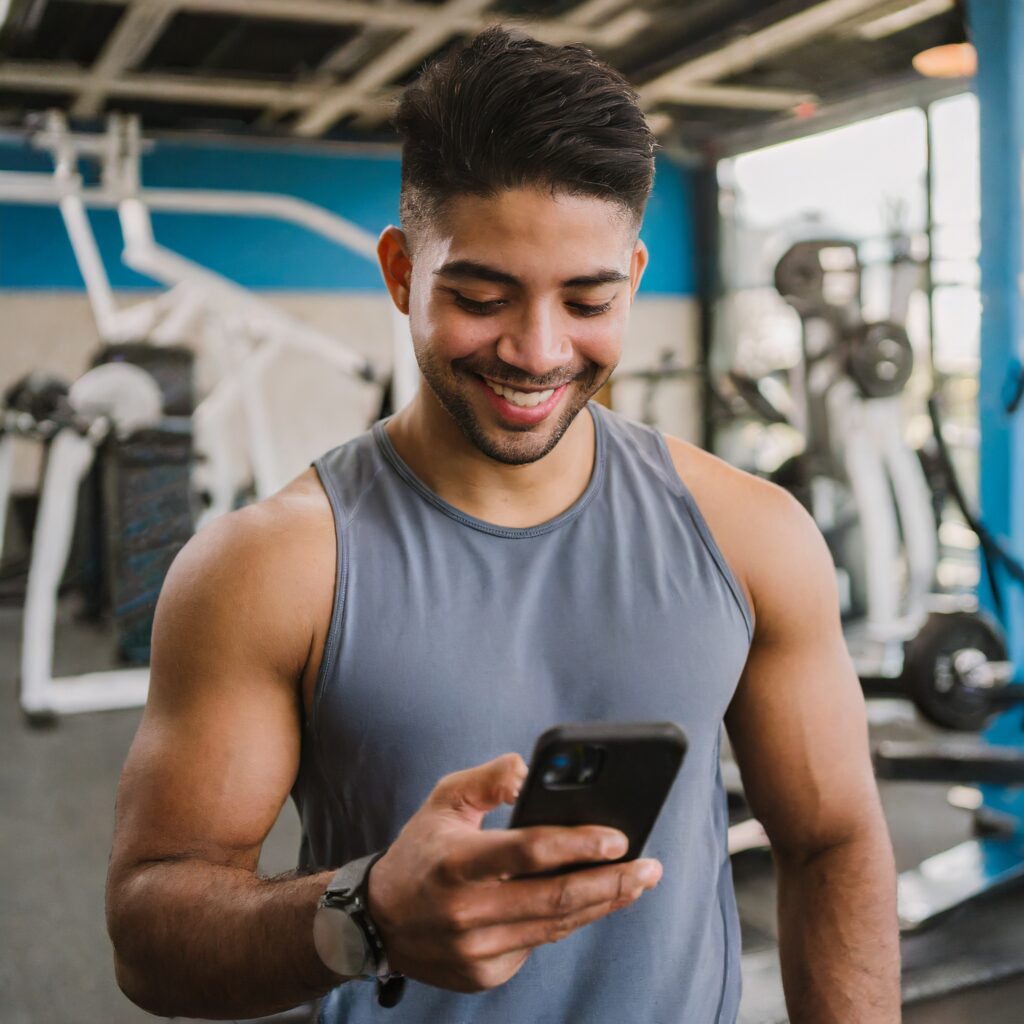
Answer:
(928, 675)
(880, 359)
(806, 270)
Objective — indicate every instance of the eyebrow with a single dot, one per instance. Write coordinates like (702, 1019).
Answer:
(471, 270)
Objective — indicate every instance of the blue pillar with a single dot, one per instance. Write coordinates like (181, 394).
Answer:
(997, 30)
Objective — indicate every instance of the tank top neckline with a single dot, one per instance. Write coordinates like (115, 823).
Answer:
(387, 449)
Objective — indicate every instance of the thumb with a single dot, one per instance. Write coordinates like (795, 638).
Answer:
(475, 791)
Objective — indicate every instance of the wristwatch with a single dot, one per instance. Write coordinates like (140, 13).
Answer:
(346, 938)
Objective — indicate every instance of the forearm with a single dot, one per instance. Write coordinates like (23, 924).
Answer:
(195, 939)
(838, 934)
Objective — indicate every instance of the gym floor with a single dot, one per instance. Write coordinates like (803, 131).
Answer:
(56, 820)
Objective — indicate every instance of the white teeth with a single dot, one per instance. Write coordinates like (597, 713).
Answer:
(524, 399)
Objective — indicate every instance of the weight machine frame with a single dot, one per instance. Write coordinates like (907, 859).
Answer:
(247, 331)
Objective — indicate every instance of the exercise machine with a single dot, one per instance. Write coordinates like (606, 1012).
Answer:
(110, 403)
(858, 476)
(239, 336)
(241, 445)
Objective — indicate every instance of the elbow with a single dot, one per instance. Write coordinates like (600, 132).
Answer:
(135, 970)
(135, 986)
(868, 839)
(136, 980)
(149, 990)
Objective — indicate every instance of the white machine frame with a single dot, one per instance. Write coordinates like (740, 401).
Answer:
(890, 493)
(246, 331)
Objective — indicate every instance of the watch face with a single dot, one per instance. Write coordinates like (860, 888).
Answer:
(340, 943)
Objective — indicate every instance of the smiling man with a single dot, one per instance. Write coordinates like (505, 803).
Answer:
(386, 637)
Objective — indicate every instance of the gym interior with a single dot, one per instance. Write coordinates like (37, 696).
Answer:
(191, 311)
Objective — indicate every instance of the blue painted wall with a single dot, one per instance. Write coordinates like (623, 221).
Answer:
(268, 254)
(998, 32)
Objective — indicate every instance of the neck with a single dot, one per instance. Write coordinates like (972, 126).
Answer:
(431, 444)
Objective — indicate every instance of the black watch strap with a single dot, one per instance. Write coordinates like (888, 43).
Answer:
(349, 892)
(390, 991)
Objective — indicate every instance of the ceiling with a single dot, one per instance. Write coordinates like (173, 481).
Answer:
(706, 70)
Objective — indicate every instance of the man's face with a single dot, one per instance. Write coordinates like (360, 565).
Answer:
(517, 309)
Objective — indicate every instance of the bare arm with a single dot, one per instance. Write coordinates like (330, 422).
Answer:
(196, 931)
(798, 729)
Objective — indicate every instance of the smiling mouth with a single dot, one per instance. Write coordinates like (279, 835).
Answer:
(521, 399)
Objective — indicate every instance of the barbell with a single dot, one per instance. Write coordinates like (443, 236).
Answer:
(956, 670)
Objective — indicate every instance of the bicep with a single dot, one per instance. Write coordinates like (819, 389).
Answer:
(797, 722)
(218, 746)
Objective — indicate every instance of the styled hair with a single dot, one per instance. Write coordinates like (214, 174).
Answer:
(509, 112)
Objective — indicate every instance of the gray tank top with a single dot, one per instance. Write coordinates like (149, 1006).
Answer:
(453, 640)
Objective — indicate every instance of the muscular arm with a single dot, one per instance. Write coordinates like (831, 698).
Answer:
(799, 734)
(196, 931)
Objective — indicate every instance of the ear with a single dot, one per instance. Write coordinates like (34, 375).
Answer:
(395, 265)
(637, 266)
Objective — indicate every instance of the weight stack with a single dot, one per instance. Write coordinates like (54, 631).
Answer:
(147, 520)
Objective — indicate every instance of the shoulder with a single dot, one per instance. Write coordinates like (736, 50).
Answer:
(243, 545)
(771, 543)
(260, 574)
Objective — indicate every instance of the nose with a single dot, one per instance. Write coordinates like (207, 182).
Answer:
(537, 345)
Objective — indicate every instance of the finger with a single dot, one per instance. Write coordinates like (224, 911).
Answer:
(500, 940)
(538, 899)
(507, 853)
(473, 792)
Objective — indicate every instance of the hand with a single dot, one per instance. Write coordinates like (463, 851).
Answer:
(447, 896)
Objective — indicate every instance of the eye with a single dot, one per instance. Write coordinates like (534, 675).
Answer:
(478, 308)
(583, 309)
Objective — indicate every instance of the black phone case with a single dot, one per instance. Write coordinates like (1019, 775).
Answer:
(641, 760)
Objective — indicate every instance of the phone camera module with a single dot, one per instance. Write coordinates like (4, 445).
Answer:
(576, 767)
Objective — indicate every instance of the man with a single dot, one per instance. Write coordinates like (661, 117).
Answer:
(386, 637)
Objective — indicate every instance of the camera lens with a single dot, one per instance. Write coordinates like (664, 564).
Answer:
(559, 769)
(579, 766)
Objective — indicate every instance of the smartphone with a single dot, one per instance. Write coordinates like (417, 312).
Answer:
(602, 773)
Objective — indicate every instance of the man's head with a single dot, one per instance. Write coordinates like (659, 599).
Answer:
(508, 112)
(525, 172)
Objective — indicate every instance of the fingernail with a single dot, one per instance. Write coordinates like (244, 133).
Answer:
(649, 873)
(614, 846)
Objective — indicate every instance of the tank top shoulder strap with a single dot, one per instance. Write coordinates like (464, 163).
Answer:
(347, 473)
(637, 441)
(627, 438)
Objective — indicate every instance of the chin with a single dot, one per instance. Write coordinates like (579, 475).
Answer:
(512, 446)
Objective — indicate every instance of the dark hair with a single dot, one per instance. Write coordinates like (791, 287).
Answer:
(510, 112)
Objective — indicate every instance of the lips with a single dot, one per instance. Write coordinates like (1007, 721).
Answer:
(528, 414)
(519, 398)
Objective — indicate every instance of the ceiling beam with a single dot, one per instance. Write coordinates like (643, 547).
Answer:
(741, 97)
(435, 31)
(369, 93)
(904, 18)
(590, 11)
(394, 61)
(912, 90)
(611, 34)
(40, 76)
(129, 44)
(748, 51)
(400, 14)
